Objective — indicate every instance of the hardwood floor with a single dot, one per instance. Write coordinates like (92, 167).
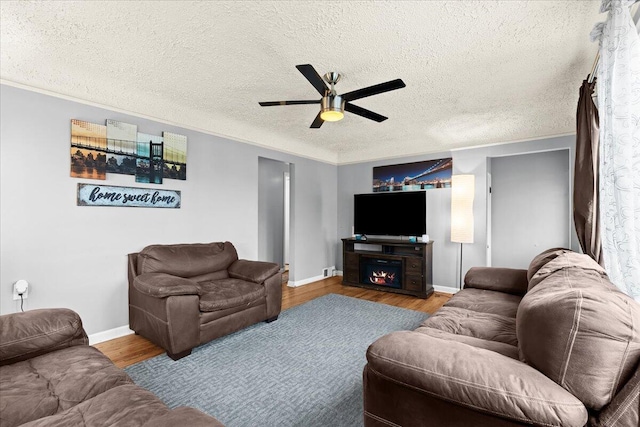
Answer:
(132, 349)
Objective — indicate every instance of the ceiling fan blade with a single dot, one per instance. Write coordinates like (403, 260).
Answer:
(364, 113)
(373, 90)
(273, 103)
(317, 122)
(314, 78)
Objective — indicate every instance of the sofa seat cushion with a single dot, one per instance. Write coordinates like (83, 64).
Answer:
(127, 405)
(227, 293)
(486, 301)
(499, 347)
(54, 382)
(486, 326)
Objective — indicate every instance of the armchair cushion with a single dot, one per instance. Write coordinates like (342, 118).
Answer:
(35, 332)
(467, 376)
(228, 293)
(186, 260)
(253, 271)
(507, 280)
(162, 285)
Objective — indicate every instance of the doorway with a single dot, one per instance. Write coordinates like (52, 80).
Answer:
(529, 206)
(274, 207)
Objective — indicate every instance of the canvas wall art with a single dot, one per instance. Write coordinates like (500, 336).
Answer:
(175, 156)
(149, 163)
(121, 147)
(88, 150)
(414, 176)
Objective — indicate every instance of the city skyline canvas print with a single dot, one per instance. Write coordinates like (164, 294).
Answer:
(414, 176)
(175, 156)
(88, 150)
(149, 165)
(121, 147)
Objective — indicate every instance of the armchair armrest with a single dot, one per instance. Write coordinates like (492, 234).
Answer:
(476, 378)
(36, 332)
(162, 285)
(507, 280)
(252, 271)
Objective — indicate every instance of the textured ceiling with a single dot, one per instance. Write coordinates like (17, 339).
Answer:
(477, 72)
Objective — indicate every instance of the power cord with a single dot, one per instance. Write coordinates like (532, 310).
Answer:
(21, 303)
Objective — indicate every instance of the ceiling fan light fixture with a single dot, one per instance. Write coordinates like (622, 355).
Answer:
(331, 115)
(332, 108)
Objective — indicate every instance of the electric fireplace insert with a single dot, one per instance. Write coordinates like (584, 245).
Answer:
(381, 272)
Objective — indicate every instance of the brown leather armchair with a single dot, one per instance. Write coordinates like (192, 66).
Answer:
(181, 296)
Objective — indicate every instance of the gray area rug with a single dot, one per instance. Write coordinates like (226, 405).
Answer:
(305, 369)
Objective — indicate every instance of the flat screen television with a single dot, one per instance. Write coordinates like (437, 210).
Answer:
(391, 214)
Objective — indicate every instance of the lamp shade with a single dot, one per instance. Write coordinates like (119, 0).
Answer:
(462, 192)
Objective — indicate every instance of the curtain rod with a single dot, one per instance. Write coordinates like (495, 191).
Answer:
(596, 62)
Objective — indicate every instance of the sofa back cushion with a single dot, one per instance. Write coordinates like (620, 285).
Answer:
(187, 260)
(579, 330)
(542, 259)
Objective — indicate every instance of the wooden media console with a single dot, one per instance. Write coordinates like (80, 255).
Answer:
(388, 265)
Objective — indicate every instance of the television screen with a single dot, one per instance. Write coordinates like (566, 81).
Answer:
(391, 214)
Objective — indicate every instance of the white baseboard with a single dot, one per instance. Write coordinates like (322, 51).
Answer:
(302, 282)
(445, 289)
(110, 334)
(339, 273)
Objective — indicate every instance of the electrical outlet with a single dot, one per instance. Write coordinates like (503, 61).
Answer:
(20, 287)
(329, 271)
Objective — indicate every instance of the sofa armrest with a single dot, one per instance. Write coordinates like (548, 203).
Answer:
(624, 409)
(183, 416)
(36, 332)
(476, 378)
(253, 271)
(507, 280)
(162, 285)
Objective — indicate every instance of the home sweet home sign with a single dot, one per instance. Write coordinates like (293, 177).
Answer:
(109, 195)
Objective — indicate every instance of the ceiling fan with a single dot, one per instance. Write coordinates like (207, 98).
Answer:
(332, 105)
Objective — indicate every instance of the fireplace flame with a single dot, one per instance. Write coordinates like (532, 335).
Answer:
(381, 277)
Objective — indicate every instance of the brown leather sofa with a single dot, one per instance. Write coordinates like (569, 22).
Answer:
(49, 376)
(181, 296)
(554, 345)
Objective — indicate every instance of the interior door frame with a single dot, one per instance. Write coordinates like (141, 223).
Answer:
(488, 182)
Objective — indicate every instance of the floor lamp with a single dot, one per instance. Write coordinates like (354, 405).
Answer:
(462, 192)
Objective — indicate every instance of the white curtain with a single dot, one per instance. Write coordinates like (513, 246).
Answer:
(618, 88)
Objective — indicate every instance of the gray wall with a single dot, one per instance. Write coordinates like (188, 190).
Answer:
(75, 256)
(271, 210)
(357, 178)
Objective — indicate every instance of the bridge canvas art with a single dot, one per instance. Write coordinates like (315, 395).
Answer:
(149, 164)
(414, 176)
(119, 148)
(175, 156)
(88, 150)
